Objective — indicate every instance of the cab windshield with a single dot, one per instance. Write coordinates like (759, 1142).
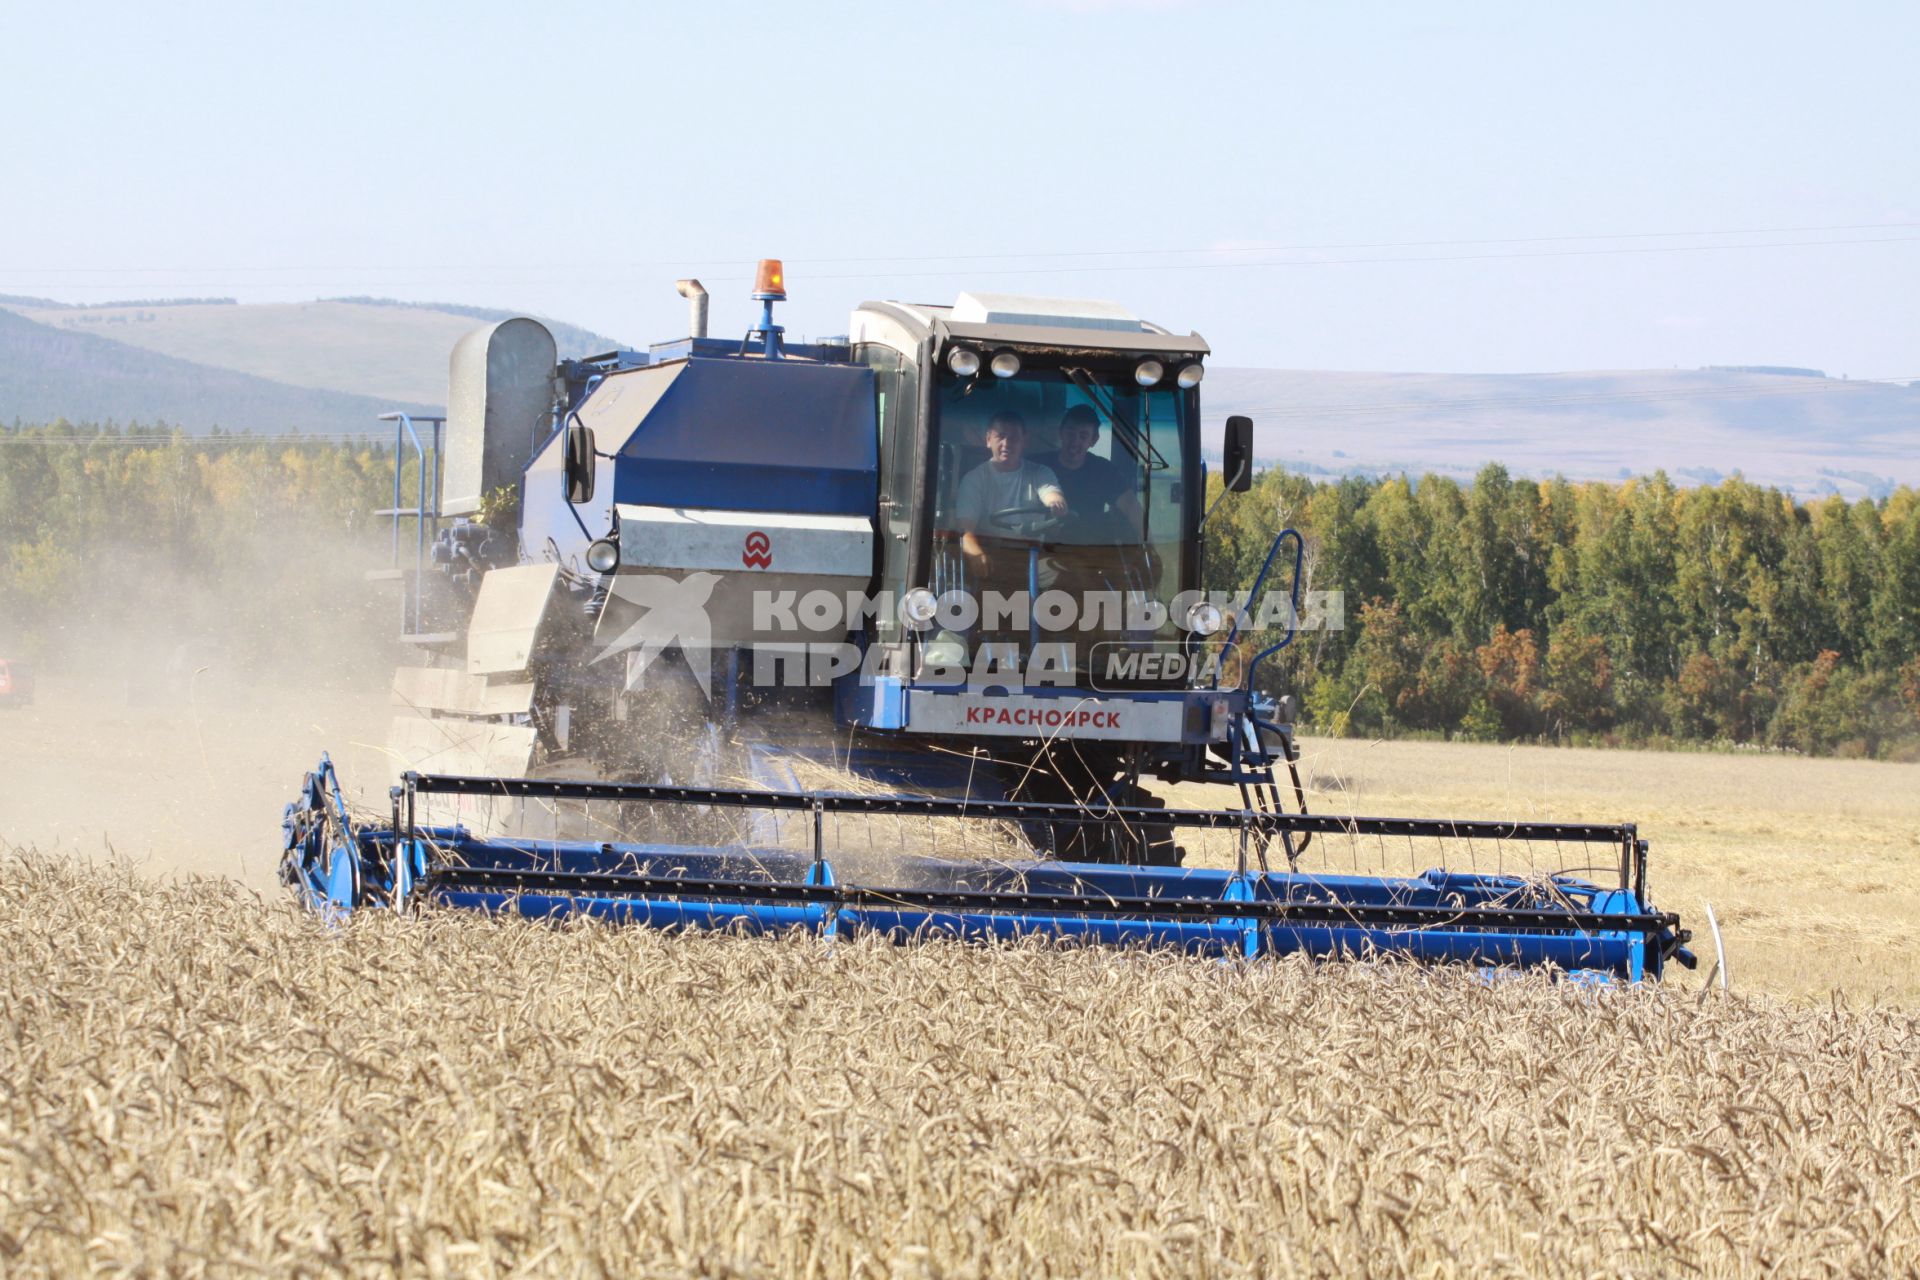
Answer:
(1059, 479)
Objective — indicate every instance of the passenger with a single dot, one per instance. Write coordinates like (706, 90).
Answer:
(1094, 486)
(1021, 494)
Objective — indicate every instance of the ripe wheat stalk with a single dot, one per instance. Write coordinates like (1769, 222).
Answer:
(197, 1082)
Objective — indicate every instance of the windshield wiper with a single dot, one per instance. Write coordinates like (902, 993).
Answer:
(1123, 429)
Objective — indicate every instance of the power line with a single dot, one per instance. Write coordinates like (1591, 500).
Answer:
(1111, 268)
(1387, 244)
(1342, 262)
(1028, 255)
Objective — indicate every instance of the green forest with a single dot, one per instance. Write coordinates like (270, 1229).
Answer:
(1638, 612)
(1507, 609)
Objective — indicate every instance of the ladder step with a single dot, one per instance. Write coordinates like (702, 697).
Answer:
(387, 575)
(406, 511)
(433, 637)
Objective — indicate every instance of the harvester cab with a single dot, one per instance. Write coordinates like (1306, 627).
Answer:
(950, 563)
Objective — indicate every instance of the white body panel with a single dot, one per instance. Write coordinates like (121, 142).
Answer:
(746, 557)
(679, 538)
(1063, 313)
(433, 689)
(871, 326)
(507, 616)
(499, 392)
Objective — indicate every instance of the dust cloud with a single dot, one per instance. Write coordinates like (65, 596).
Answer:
(178, 705)
(181, 697)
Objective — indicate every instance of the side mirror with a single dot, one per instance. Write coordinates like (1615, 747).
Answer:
(1236, 453)
(579, 465)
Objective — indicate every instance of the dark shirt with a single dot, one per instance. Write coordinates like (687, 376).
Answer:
(1092, 486)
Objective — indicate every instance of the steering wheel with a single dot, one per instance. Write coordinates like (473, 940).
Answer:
(1047, 518)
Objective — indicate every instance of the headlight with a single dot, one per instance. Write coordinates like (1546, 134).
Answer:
(1148, 372)
(918, 606)
(1204, 618)
(946, 650)
(963, 361)
(1190, 375)
(603, 556)
(1005, 365)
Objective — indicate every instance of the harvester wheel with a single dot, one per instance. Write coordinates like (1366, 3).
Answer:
(1100, 840)
(1151, 844)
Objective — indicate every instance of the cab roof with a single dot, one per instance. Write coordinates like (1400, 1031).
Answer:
(1034, 320)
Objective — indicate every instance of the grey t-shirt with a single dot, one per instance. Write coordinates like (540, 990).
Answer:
(984, 491)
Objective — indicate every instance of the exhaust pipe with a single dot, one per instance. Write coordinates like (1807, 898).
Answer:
(696, 293)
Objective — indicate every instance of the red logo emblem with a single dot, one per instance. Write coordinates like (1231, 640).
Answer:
(758, 553)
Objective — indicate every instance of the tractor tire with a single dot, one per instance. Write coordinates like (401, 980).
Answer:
(1153, 843)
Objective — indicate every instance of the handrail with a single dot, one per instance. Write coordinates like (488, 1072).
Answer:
(1253, 595)
(1293, 600)
(403, 432)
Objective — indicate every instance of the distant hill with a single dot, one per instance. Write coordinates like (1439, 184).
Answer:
(572, 340)
(335, 364)
(1777, 425)
(391, 351)
(48, 373)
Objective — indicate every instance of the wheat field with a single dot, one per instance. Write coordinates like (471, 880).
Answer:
(200, 1081)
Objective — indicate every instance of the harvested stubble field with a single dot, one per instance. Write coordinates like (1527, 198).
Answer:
(1809, 864)
(195, 1080)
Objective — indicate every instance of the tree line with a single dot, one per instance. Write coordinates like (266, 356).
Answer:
(112, 538)
(1640, 611)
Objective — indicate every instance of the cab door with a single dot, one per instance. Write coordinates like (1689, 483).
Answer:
(896, 382)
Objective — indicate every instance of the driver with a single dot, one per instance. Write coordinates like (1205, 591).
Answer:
(1005, 482)
(1093, 485)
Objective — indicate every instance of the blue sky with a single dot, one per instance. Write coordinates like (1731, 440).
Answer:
(1468, 187)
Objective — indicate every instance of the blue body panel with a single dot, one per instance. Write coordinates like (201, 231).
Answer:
(742, 435)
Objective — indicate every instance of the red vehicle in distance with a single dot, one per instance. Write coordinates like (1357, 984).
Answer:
(16, 684)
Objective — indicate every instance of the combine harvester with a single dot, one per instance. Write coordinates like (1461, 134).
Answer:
(603, 545)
